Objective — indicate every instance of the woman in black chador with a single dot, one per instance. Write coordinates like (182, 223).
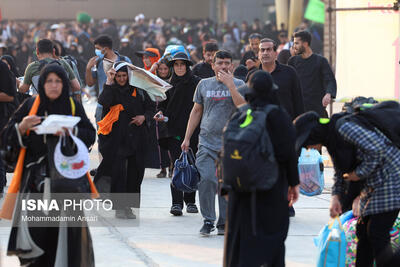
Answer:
(44, 246)
(123, 138)
(257, 228)
(177, 108)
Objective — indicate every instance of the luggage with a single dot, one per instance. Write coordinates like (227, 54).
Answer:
(331, 243)
(311, 172)
(186, 177)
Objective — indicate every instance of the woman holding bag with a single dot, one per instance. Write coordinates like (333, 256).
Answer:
(40, 245)
(177, 108)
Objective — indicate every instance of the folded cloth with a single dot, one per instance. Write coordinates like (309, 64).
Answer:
(105, 125)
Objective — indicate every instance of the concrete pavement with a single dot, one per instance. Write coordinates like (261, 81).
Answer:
(161, 239)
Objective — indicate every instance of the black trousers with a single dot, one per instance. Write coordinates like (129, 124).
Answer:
(178, 197)
(374, 240)
(128, 173)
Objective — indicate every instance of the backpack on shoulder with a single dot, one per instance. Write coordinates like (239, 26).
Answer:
(248, 161)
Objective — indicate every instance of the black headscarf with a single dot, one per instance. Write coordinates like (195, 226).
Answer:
(7, 80)
(311, 132)
(176, 80)
(262, 89)
(62, 104)
(13, 67)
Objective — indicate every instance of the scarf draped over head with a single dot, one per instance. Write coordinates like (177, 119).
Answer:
(13, 67)
(62, 104)
(7, 80)
(152, 59)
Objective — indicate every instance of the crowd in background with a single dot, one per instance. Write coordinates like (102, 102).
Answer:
(18, 39)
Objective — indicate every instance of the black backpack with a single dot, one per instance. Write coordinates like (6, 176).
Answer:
(248, 161)
(357, 102)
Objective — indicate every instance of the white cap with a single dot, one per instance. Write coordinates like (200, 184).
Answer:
(54, 27)
(124, 40)
(2, 45)
(105, 21)
(139, 17)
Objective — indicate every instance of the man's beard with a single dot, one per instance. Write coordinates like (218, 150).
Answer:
(301, 51)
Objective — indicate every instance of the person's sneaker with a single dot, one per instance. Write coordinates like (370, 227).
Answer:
(207, 228)
(129, 213)
(191, 208)
(221, 229)
(292, 212)
(120, 214)
(176, 210)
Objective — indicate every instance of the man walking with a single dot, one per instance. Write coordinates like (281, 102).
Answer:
(289, 92)
(215, 100)
(316, 77)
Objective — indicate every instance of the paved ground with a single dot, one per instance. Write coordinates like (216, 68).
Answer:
(161, 239)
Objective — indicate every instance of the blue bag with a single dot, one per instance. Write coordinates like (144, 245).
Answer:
(186, 177)
(311, 172)
(331, 243)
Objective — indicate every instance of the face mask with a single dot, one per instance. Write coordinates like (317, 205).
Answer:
(99, 54)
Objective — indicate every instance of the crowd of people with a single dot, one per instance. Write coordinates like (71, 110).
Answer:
(208, 86)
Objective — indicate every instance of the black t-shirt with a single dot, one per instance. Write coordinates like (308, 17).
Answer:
(203, 70)
(316, 79)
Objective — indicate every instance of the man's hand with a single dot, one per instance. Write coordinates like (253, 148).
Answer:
(185, 145)
(138, 120)
(293, 194)
(335, 208)
(91, 63)
(159, 116)
(352, 176)
(110, 76)
(28, 122)
(326, 100)
(356, 207)
(226, 78)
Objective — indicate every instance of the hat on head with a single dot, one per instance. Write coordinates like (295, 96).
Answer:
(54, 27)
(124, 40)
(83, 18)
(147, 53)
(180, 56)
(119, 65)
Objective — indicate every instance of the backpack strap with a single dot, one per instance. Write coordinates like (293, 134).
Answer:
(268, 108)
(73, 107)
